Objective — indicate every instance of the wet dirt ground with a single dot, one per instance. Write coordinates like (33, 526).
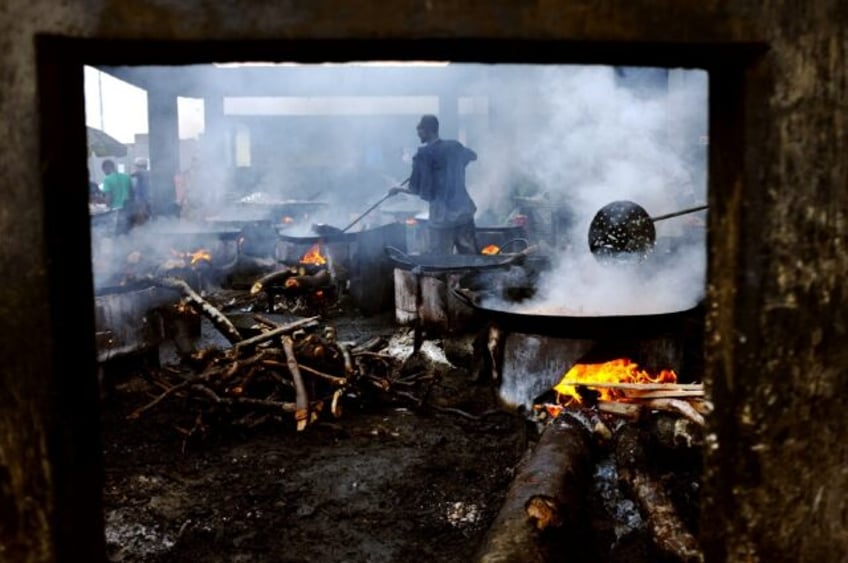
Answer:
(388, 481)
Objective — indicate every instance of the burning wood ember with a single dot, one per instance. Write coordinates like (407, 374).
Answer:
(619, 387)
(616, 436)
(310, 287)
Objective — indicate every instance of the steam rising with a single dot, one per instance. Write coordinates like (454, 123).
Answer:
(568, 139)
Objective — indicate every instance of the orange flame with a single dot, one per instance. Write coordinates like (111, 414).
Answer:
(193, 258)
(199, 255)
(616, 371)
(313, 256)
(491, 249)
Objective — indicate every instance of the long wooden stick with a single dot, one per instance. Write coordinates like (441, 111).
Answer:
(285, 329)
(337, 381)
(301, 413)
(218, 319)
(244, 401)
(639, 386)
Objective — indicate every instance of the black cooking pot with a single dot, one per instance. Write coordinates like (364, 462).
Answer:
(580, 327)
(460, 263)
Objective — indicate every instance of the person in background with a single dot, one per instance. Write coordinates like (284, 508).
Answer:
(438, 177)
(119, 192)
(186, 190)
(141, 192)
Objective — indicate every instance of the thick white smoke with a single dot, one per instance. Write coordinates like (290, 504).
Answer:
(581, 139)
(570, 138)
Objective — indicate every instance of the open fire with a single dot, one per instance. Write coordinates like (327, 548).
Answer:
(622, 370)
(195, 257)
(314, 256)
(490, 250)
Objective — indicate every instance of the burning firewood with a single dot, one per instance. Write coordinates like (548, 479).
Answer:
(547, 494)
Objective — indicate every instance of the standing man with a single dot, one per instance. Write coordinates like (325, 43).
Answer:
(141, 192)
(438, 177)
(119, 194)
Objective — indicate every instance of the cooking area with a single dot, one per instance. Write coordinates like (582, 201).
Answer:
(292, 367)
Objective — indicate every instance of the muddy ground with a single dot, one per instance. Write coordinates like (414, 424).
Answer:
(387, 481)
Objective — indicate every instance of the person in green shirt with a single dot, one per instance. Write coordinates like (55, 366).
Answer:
(119, 193)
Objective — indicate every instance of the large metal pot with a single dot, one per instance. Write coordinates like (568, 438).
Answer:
(579, 326)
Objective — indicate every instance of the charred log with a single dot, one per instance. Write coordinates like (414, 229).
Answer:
(545, 503)
(670, 535)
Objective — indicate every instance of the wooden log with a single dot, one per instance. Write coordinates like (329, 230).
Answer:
(677, 405)
(633, 410)
(285, 329)
(198, 303)
(301, 413)
(639, 386)
(669, 533)
(307, 282)
(544, 505)
(673, 432)
(332, 379)
(272, 278)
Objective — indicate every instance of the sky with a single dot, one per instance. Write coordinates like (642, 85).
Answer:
(120, 109)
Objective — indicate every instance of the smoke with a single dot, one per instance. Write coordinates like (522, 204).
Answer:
(554, 142)
(569, 140)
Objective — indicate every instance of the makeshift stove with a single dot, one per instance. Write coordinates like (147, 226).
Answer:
(125, 319)
(310, 286)
(621, 411)
(139, 278)
(425, 285)
(355, 262)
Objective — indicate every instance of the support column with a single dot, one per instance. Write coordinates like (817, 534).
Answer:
(163, 125)
(448, 115)
(216, 151)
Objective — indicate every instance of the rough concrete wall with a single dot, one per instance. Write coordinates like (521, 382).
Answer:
(27, 482)
(776, 483)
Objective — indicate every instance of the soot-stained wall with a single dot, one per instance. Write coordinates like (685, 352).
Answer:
(775, 483)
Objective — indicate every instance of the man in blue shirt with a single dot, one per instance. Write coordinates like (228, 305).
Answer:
(438, 177)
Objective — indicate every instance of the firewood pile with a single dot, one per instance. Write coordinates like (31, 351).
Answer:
(295, 371)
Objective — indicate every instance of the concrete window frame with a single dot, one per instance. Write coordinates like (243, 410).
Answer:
(72, 419)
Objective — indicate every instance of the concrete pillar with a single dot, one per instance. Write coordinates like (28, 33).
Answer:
(217, 151)
(448, 115)
(163, 126)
